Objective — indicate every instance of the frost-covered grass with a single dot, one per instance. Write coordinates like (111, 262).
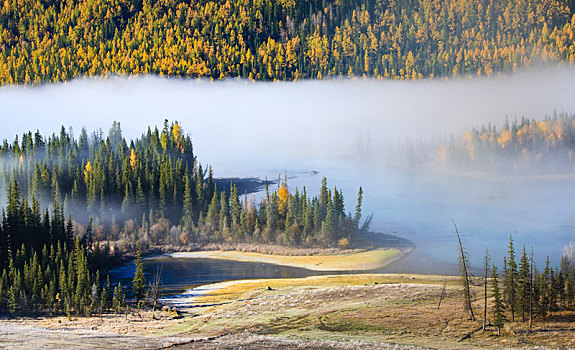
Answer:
(235, 290)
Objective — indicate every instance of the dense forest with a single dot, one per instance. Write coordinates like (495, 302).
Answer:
(45, 267)
(521, 145)
(56, 40)
(153, 190)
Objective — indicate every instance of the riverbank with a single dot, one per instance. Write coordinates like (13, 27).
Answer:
(343, 261)
(363, 311)
(359, 312)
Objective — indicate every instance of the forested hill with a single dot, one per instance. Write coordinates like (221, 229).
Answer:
(153, 190)
(57, 40)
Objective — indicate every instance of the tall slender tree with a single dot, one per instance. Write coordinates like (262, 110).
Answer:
(498, 305)
(510, 282)
(463, 268)
(139, 281)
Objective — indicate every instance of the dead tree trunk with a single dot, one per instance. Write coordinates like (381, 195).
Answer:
(442, 293)
(465, 276)
(531, 291)
(486, 266)
(156, 287)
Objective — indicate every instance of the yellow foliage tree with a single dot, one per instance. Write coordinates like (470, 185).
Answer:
(343, 243)
(184, 238)
(133, 160)
(504, 138)
(283, 195)
(87, 171)
(176, 131)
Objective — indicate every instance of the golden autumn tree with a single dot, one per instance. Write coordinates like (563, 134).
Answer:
(283, 195)
(176, 131)
(504, 138)
(87, 171)
(133, 159)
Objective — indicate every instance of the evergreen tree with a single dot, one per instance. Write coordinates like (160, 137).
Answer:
(523, 285)
(119, 299)
(498, 309)
(139, 281)
(510, 284)
(357, 215)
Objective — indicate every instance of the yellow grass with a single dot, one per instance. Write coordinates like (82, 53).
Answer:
(367, 260)
(233, 290)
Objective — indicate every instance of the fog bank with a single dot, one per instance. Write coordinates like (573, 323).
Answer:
(308, 118)
(261, 129)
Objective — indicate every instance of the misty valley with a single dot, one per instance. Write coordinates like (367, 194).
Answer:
(98, 197)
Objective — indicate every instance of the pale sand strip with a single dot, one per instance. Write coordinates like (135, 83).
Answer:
(368, 260)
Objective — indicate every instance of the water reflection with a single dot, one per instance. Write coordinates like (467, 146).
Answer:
(182, 274)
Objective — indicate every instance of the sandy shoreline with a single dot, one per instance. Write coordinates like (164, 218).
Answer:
(362, 261)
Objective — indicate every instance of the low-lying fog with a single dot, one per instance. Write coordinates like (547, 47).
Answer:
(261, 129)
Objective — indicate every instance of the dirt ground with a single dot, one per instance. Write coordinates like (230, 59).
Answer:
(141, 330)
(377, 309)
(322, 312)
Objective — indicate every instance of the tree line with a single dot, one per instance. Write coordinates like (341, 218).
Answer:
(45, 268)
(56, 40)
(517, 145)
(153, 190)
(522, 292)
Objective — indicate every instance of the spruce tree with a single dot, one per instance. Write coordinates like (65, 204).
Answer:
(524, 285)
(139, 281)
(187, 218)
(510, 283)
(357, 215)
(213, 212)
(498, 309)
(118, 300)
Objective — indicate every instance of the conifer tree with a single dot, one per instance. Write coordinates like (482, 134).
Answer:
(357, 216)
(139, 281)
(498, 305)
(523, 285)
(510, 283)
(187, 218)
(213, 211)
(119, 299)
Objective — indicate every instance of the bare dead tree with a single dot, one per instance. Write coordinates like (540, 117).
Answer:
(531, 291)
(156, 287)
(463, 262)
(486, 266)
(442, 293)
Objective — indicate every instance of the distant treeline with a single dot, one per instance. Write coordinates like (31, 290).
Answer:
(153, 190)
(56, 40)
(520, 145)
